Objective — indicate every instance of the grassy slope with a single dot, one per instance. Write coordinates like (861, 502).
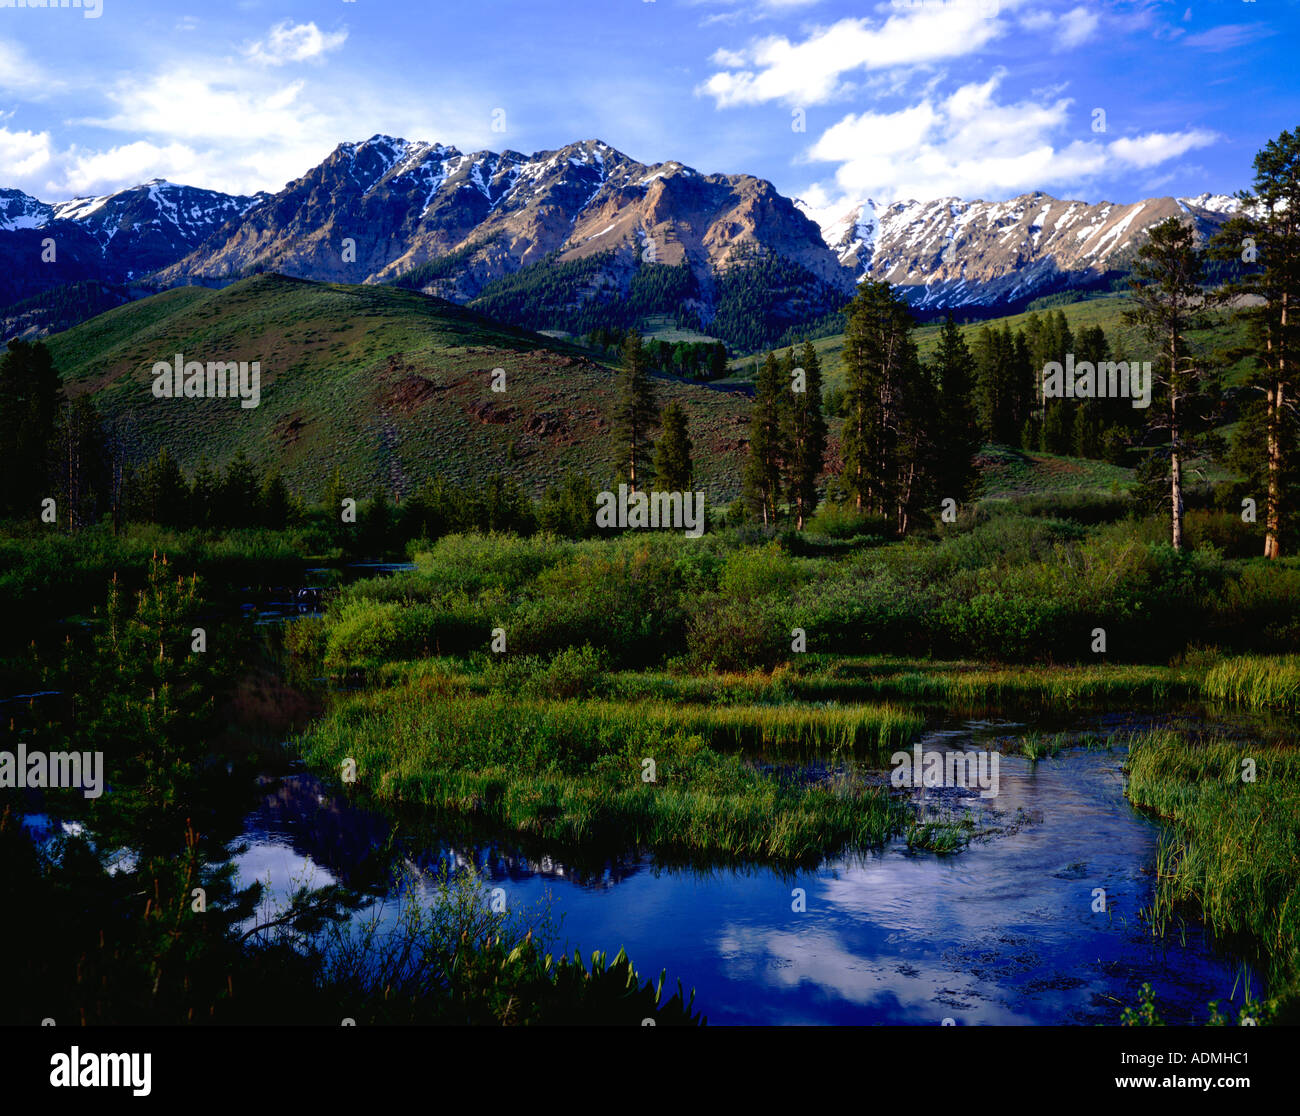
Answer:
(377, 380)
(1126, 341)
(388, 383)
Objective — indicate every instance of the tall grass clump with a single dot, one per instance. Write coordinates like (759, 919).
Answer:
(1234, 811)
(1255, 681)
(576, 772)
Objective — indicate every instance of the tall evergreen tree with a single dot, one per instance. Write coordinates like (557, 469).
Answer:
(636, 413)
(804, 431)
(1265, 234)
(31, 392)
(958, 437)
(81, 465)
(883, 407)
(1168, 301)
(160, 493)
(569, 508)
(762, 479)
(674, 470)
(1004, 379)
(275, 504)
(237, 493)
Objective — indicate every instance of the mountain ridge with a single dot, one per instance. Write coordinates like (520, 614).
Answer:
(381, 209)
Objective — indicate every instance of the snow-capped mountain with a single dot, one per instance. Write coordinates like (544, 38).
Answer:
(144, 228)
(22, 211)
(950, 253)
(115, 238)
(401, 204)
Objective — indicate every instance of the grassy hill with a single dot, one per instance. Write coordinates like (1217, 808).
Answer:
(1107, 312)
(391, 386)
(387, 384)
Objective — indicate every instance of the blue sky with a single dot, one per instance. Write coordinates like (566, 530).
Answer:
(900, 99)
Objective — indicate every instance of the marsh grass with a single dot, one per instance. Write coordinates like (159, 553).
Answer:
(975, 688)
(1233, 853)
(1255, 681)
(573, 771)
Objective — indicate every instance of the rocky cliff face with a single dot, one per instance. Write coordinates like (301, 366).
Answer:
(376, 210)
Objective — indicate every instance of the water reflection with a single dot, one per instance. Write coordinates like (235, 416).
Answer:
(1002, 933)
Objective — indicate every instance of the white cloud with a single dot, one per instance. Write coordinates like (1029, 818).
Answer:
(812, 71)
(1158, 147)
(1077, 27)
(128, 164)
(729, 58)
(1065, 31)
(243, 131)
(295, 42)
(18, 73)
(1228, 36)
(970, 145)
(181, 102)
(24, 153)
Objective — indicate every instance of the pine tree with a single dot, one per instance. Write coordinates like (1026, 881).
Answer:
(274, 502)
(1265, 233)
(82, 469)
(674, 471)
(636, 412)
(159, 493)
(762, 479)
(958, 431)
(237, 493)
(31, 392)
(569, 508)
(1168, 301)
(1003, 383)
(1050, 425)
(717, 361)
(804, 431)
(881, 432)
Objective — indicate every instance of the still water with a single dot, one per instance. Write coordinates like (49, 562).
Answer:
(1004, 932)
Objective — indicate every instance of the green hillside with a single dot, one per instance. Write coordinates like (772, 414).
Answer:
(1107, 312)
(386, 383)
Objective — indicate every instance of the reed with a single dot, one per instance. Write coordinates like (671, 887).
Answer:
(1234, 853)
(1255, 681)
(575, 772)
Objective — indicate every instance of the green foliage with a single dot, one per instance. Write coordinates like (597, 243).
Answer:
(803, 429)
(1235, 857)
(31, 391)
(958, 436)
(571, 772)
(767, 450)
(761, 296)
(635, 413)
(887, 438)
(674, 470)
(569, 508)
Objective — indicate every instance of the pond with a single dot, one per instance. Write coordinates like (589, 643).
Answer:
(1007, 931)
